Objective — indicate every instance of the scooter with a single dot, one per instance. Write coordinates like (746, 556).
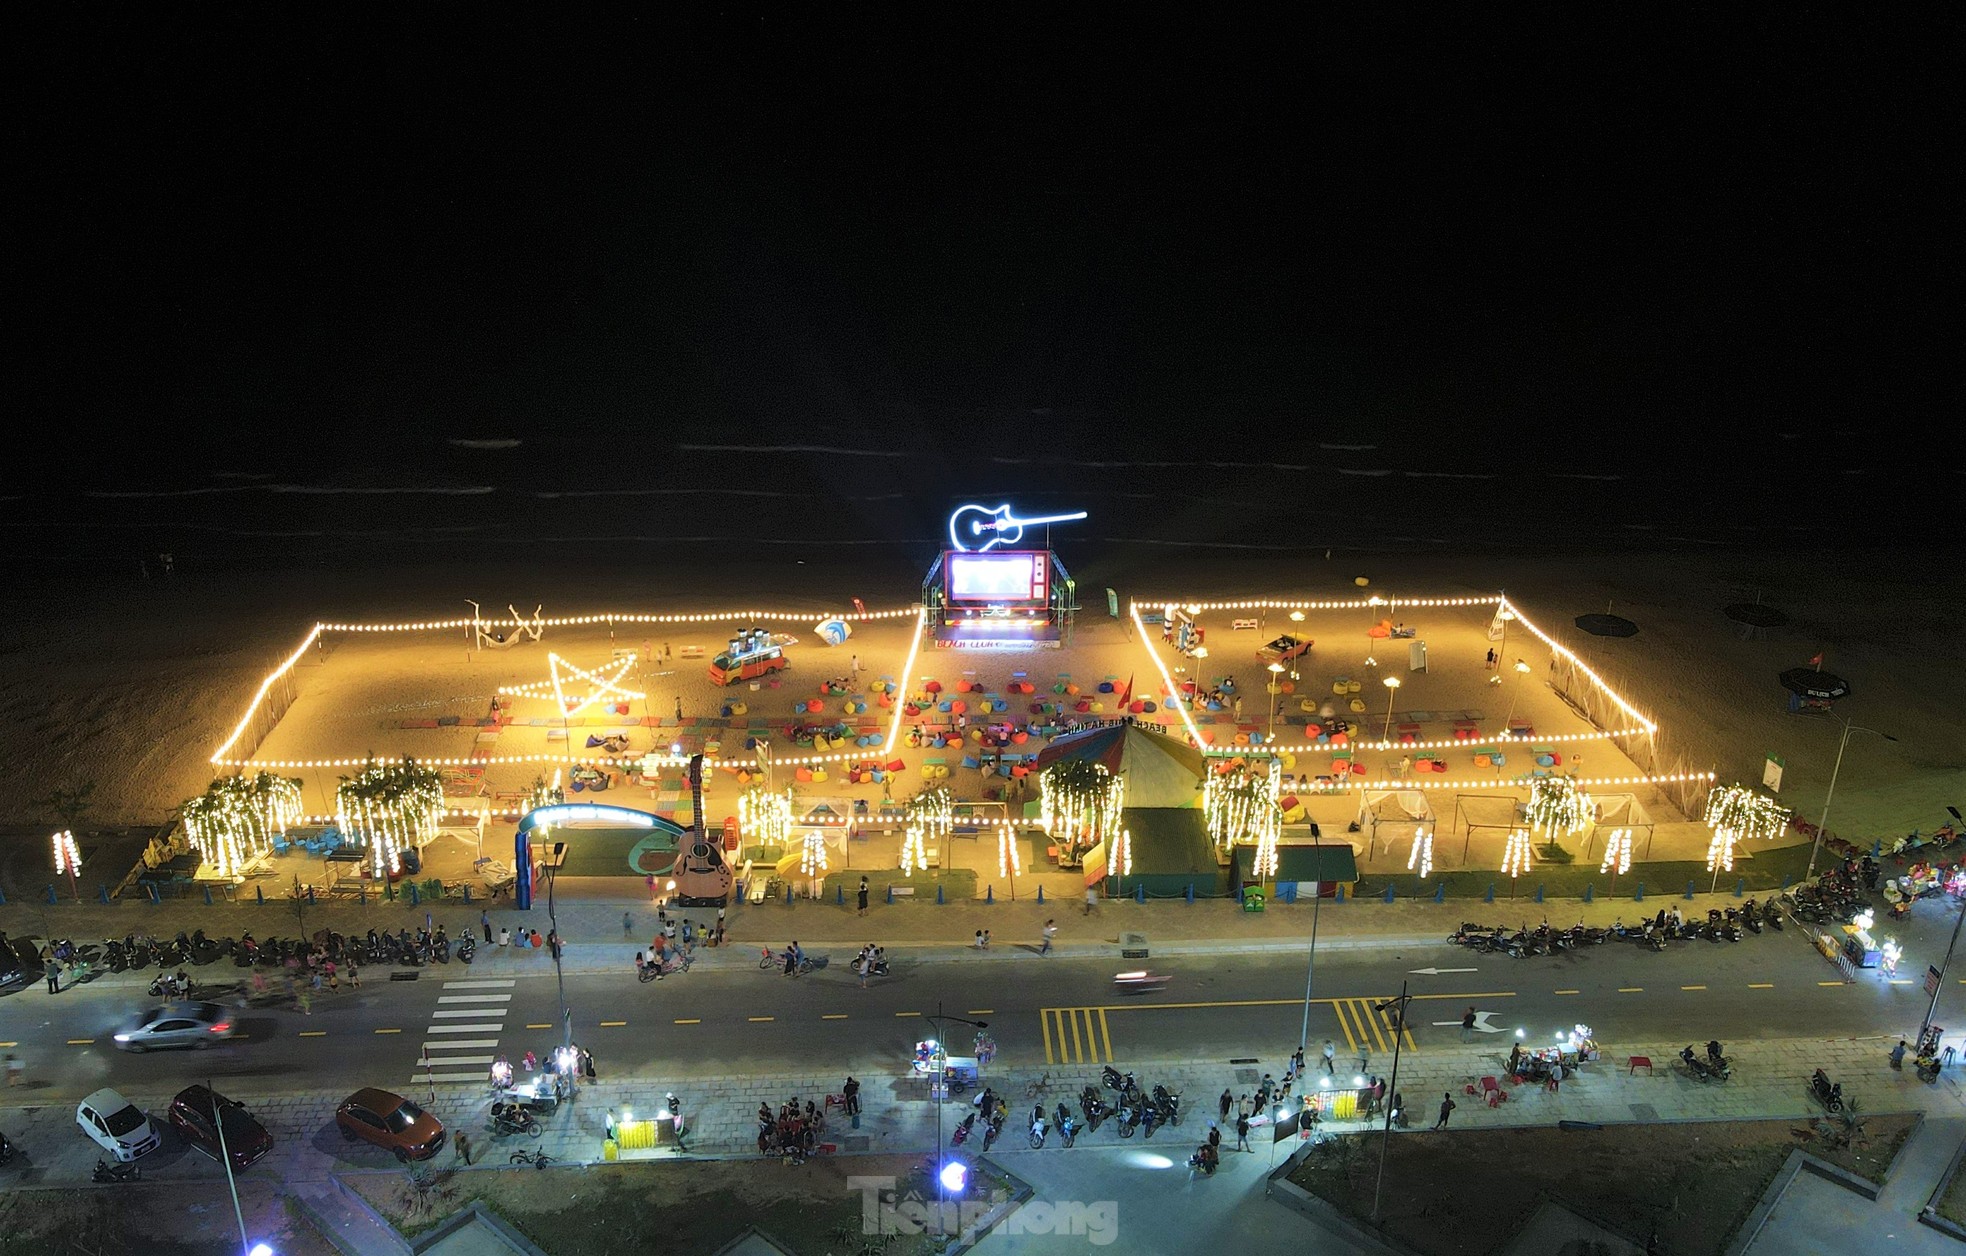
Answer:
(1068, 1129)
(1094, 1107)
(467, 949)
(1169, 1104)
(962, 1130)
(1040, 1127)
(1205, 1159)
(1719, 1064)
(512, 1119)
(1696, 1066)
(992, 1126)
(107, 1172)
(1829, 1094)
(1128, 1117)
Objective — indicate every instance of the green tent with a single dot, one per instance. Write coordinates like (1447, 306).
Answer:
(1326, 863)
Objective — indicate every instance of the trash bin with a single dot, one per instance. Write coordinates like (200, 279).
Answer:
(1252, 900)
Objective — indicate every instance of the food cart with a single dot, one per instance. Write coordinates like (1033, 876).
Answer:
(946, 1074)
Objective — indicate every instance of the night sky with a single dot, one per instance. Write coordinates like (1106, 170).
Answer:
(1209, 276)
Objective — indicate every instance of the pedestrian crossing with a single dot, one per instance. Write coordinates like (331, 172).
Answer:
(1366, 1027)
(464, 1027)
(1076, 1035)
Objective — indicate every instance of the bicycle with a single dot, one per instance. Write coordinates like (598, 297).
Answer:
(1039, 1088)
(537, 1159)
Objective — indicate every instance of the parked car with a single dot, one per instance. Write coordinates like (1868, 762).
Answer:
(177, 1025)
(192, 1115)
(392, 1122)
(1285, 649)
(116, 1125)
(20, 960)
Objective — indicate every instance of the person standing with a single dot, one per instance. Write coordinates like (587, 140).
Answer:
(462, 1146)
(854, 664)
(863, 896)
(1330, 1053)
(1242, 1133)
(1244, 1107)
(659, 947)
(354, 976)
(1468, 1024)
(1446, 1107)
(679, 708)
(1491, 658)
(852, 1092)
(52, 970)
(1364, 1058)
(587, 1063)
(1091, 898)
(484, 922)
(1228, 1101)
(1050, 930)
(627, 924)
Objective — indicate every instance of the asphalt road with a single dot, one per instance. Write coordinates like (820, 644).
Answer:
(1053, 1010)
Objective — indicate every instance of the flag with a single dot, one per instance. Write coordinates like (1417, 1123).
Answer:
(1126, 694)
(1817, 662)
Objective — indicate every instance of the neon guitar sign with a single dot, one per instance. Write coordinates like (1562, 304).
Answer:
(969, 525)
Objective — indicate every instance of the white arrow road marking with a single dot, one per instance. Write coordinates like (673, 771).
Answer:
(1481, 1024)
(1435, 972)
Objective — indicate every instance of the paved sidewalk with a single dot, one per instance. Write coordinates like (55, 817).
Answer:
(1819, 1217)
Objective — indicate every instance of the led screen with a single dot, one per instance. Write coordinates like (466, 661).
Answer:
(999, 577)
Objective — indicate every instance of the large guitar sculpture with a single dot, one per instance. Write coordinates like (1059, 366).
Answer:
(702, 875)
(970, 524)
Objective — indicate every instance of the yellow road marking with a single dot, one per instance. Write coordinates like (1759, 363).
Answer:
(1105, 1033)
(1631, 989)
(612, 1024)
(80, 1042)
(759, 1019)
(1900, 981)
(389, 1031)
(834, 1016)
(539, 1026)
(1567, 992)
(1076, 1035)
(981, 1011)
(1044, 1024)
(1829, 983)
(313, 1033)
(907, 1013)
(1692, 987)
(1761, 985)
(691, 1021)
(9, 1044)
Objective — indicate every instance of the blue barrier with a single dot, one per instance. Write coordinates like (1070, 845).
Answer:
(258, 890)
(1340, 896)
(467, 895)
(890, 896)
(310, 896)
(1139, 893)
(839, 896)
(1539, 893)
(788, 896)
(1689, 889)
(1587, 892)
(1740, 885)
(51, 896)
(1440, 892)
(1389, 894)
(989, 895)
(1490, 896)
(1041, 896)
(208, 896)
(938, 894)
(1191, 894)
(414, 898)
(1639, 897)
(102, 895)
(3, 898)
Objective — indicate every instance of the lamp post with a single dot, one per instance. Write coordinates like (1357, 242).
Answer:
(225, 1158)
(1392, 689)
(1276, 696)
(1386, 1132)
(1310, 964)
(1372, 604)
(938, 1091)
(1817, 846)
(1932, 1008)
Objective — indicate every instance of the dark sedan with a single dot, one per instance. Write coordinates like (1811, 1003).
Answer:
(202, 1114)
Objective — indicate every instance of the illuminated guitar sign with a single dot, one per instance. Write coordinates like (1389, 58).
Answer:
(970, 524)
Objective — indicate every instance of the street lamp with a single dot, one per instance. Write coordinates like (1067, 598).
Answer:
(1817, 846)
(938, 1091)
(1276, 697)
(1515, 692)
(1386, 1133)
(1932, 1008)
(1392, 688)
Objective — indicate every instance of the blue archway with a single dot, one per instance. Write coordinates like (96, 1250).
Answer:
(571, 815)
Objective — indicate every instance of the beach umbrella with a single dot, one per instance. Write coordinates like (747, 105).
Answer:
(1810, 683)
(1601, 625)
(833, 631)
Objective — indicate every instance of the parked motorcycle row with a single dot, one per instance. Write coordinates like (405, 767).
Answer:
(195, 949)
(1836, 897)
(1714, 1067)
(1728, 925)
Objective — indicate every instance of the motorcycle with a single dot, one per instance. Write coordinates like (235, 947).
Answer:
(1205, 1159)
(1698, 1067)
(107, 1172)
(962, 1130)
(1040, 1128)
(1827, 1093)
(992, 1127)
(1128, 1118)
(1094, 1107)
(512, 1119)
(1718, 1063)
(1169, 1104)
(1068, 1129)
(467, 950)
(1123, 1083)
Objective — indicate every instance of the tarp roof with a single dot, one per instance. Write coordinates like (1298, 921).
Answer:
(1168, 840)
(1160, 771)
(1304, 861)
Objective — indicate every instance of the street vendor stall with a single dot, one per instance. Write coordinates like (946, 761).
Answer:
(946, 1074)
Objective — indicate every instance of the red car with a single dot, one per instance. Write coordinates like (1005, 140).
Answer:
(1284, 649)
(392, 1122)
(199, 1114)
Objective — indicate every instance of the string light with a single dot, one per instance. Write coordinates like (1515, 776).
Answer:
(1617, 853)
(391, 807)
(765, 818)
(1557, 807)
(1745, 813)
(606, 687)
(1119, 855)
(812, 857)
(931, 814)
(1080, 803)
(913, 853)
(1010, 861)
(1423, 854)
(1241, 807)
(68, 857)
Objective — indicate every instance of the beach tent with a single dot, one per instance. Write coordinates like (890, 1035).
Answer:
(1328, 865)
(1406, 811)
(1160, 771)
(1171, 851)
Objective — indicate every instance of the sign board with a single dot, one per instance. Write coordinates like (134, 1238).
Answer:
(1771, 775)
(1007, 577)
(1113, 603)
(1241, 625)
(1416, 656)
(1932, 979)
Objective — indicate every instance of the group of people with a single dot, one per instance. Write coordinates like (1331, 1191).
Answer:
(794, 1132)
(871, 962)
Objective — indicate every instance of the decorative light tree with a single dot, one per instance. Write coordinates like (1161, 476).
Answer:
(1081, 804)
(1516, 858)
(1119, 855)
(545, 794)
(1617, 855)
(1557, 807)
(68, 861)
(765, 817)
(1241, 806)
(391, 807)
(237, 818)
(1422, 857)
(1010, 861)
(931, 818)
(812, 860)
(1735, 814)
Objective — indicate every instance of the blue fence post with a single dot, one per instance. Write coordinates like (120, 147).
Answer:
(1440, 892)
(414, 899)
(1539, 893)
(102, 893)
(1041, 896)
(788, 896)
(1139, 893)
(1640, 896)
(1587, 892)
(362, 894)
(150, 887)
(3, 898)
(839, 895)
(1191, 894)
(989, 895)
(259, 891)
(1490, 896)
(1689, 889)
(890, 895)
(1339, 897)
(1389, 894)
(51, 896)
(938, 894)
(1739, 885)
(310, 896)
(388, 891)
(467, 894)
(1785, 882)
(208, 896)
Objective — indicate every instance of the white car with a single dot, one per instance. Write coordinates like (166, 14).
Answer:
(118, 1126)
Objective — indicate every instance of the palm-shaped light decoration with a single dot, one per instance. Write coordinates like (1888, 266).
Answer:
(1736, 814)
(1422, 857)
(1241, 807)
(765, 817)
(1009, 861)
(1617, 855)
(391, 807)
(931, 817)
(1557, 807)
(237, 818)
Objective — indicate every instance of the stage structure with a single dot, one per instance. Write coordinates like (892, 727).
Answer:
(982, 597)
